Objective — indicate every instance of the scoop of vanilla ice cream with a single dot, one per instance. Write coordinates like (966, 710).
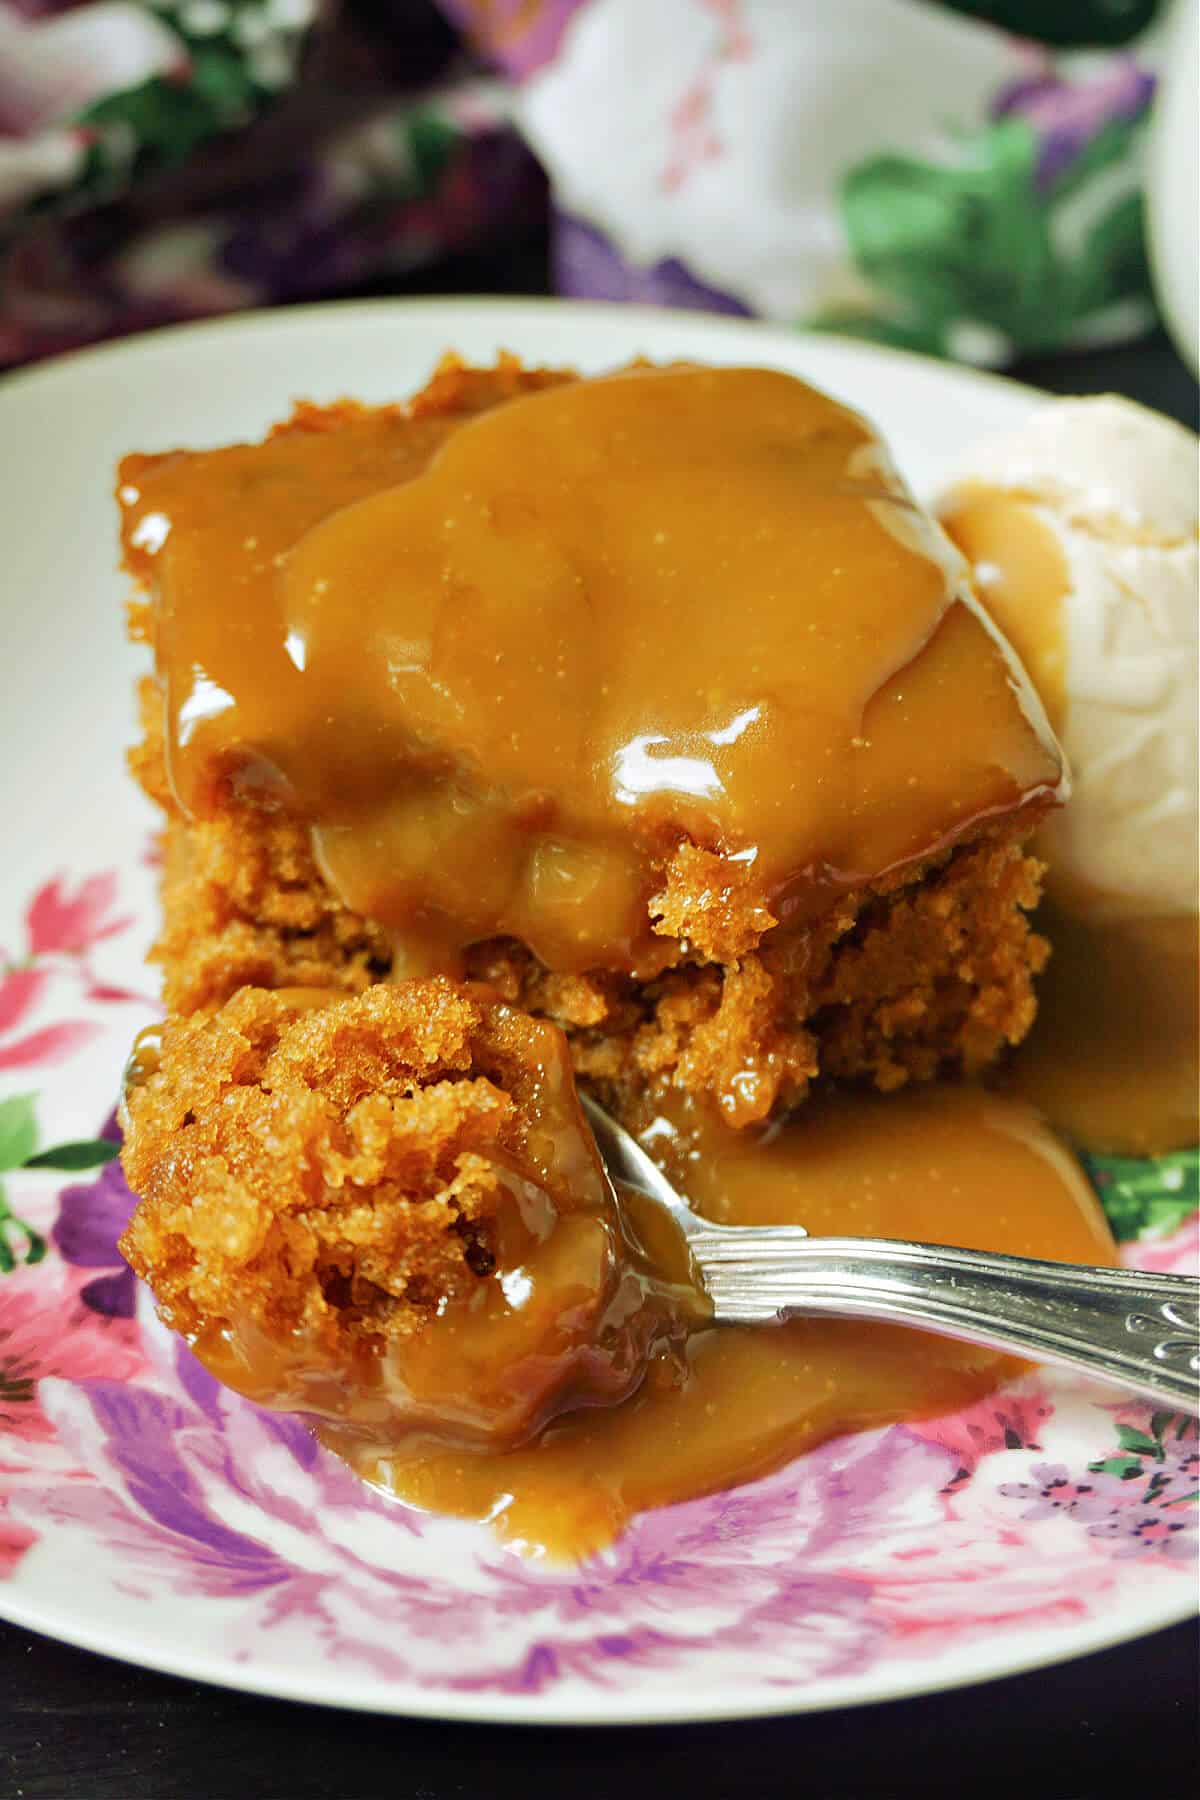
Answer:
(1082, 529)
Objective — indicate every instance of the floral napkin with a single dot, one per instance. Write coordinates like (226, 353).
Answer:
(963, 179)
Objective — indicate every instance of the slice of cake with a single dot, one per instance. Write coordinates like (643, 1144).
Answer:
(654, 700)
(649, 705)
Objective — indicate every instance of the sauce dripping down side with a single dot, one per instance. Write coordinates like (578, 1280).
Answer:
(954, 1166)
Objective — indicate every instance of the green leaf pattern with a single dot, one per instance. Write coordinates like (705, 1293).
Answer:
(1146, 1197)
(19, 1242)
(1141, 1451)
(18, 1130)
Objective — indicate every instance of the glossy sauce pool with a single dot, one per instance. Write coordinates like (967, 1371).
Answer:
(948, 1165)
(1114, 1055)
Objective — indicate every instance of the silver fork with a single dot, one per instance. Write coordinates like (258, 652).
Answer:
(1140, 1332)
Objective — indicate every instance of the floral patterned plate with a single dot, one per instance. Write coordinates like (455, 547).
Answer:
(148, 1513)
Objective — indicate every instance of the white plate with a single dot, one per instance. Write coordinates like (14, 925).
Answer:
(147, 1514)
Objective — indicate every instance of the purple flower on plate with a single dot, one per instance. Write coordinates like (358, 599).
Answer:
(1140, 1503)
(1052, 1490)
(91, 1217)
(195, 1495)
(197, 1517)
(1141, 1530)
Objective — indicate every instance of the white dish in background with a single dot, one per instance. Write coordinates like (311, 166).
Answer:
(1173, 181)
(146, 1514)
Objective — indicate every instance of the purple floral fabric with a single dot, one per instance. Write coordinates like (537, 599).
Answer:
(1068, 118)
(588, 265)
(169, 161)
(521, 37)
(163, 160)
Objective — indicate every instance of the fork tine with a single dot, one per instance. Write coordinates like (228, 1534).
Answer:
(760, 1245)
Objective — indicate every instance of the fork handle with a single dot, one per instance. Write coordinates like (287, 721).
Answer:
(1138, 1331)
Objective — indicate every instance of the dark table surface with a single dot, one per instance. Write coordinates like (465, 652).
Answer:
(74, 1726)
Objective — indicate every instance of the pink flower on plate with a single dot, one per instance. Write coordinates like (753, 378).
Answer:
(981, 1567)
(1032, 1529)
(20, 990)
(56, 920)
(1013, 1419)
(14, 1542)
(47, 1330)
(1178, 1254)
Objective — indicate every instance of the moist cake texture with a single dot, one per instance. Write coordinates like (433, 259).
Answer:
(320, 1176)
(649, 707)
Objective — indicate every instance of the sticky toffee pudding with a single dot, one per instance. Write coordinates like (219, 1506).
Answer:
(639, 731)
